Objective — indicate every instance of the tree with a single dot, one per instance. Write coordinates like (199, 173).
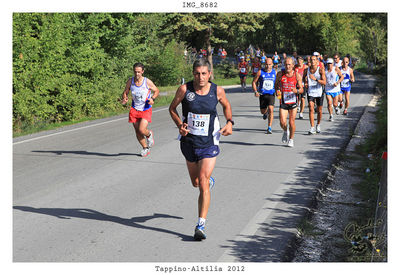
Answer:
(212, 28)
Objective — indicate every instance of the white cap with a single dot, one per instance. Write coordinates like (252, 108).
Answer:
(329, 61)
(316, 53)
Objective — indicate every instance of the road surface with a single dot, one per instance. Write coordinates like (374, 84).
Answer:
(83, 193)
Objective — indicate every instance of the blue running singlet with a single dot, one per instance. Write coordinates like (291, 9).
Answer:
(267, 82)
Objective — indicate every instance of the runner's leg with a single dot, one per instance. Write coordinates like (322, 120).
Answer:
(283, 114)
(329, 100)
(336, 101)
(347, 96)
(270, 115)
(292, 125)
(311, 112)
(319, 116)
(138, 126)
(200, 173)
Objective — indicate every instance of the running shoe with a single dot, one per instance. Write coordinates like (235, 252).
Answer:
(145, 152)
(345, 112)
(337, 110)
(290, 143)
(341, 105)
(285, 136)
(150, 139)
(199, 233)
(212, 182)
(269, 130)
(331, 117)
(265, 116)
(311, 131)
(318, 128)
(301, 115)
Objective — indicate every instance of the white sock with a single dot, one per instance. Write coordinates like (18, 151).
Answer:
(201, 222)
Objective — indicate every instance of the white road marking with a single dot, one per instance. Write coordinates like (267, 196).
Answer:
(80, 128)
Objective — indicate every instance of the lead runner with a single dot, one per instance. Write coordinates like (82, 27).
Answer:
(199, 131)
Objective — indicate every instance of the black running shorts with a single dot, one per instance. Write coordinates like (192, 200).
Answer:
(266, 100)
(317, 100)
(288, 106)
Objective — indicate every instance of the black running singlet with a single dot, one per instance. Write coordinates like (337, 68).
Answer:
(200, 113)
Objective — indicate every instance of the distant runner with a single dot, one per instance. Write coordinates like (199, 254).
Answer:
(332, 88)
(299, 68)
(243, 68)
(266, 92)
(141, 110)
(286, 87)
(346, 83)
(314, 79)
(276, 59)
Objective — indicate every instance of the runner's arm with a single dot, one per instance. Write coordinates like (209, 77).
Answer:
(254, 83)
(352, 79)
(277, 81)
(126, 91)
(179, 95)
(299, 83)
(341, 76)
(154, 88)
(226, 106)
(305, 78)
(323, 77)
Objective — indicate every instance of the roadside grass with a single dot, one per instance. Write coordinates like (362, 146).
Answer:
(307, 228)
(370, 171)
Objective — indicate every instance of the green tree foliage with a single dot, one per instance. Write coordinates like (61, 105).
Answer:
(373, 37)
(67, 66)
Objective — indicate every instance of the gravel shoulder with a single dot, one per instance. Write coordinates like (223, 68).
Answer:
(324, 233)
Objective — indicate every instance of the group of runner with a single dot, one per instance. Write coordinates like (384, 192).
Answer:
(199, 126)
(295, 83)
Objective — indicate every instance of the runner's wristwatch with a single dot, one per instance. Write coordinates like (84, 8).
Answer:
(231, 121)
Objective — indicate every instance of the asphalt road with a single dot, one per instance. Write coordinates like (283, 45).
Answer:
(84, 194)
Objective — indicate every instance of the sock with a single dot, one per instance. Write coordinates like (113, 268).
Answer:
(201, 222)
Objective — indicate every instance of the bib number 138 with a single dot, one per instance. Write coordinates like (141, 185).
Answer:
(198, 124)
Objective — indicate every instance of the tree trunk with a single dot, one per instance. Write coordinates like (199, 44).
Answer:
(209, 54)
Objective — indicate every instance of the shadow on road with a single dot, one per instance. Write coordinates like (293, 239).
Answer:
(274, 240)
(59, 152)
(83, 213)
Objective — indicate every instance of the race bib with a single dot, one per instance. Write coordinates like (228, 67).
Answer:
(312, 83)
(345, 83)
(242, 70)
(289, 98)
(268, 85)
(255, 70)
(198, 124)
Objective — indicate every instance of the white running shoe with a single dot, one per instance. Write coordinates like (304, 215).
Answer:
(285, 136)
(311, 131)
(212, 182)
(290, 143)
(330, 117)
(337, 110)
(318, 128)
(145, 152)
(150, 139)
(301, 115)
